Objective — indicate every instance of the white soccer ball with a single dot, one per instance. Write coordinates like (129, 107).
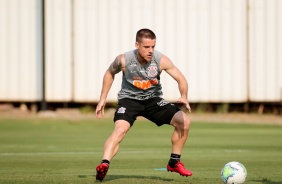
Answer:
(233, 173)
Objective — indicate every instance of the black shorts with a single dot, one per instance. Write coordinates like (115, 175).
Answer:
(155, 109)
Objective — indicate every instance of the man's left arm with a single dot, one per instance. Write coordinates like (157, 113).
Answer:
(167, 65)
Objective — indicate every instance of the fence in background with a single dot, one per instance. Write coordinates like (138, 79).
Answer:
(229, 50)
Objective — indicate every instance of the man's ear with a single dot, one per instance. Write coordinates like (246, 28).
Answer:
(136, 45)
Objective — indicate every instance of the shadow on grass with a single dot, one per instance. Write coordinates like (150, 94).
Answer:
(114, 177)
(266, 181)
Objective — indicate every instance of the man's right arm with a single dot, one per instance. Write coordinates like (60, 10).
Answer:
(115, 67)
(109, 76)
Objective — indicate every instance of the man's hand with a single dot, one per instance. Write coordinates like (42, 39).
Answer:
(185, 102)
(100, 109)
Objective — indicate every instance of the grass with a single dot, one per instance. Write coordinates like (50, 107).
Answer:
(62, 151)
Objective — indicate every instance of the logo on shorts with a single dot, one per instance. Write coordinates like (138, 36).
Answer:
(121, 110)
(162, 102)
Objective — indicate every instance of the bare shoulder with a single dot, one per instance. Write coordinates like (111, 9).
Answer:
(165, 63)
(118, 64)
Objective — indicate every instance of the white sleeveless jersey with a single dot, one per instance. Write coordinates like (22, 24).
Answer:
(141, 82)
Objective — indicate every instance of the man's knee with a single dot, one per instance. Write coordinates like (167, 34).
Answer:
(121, 127)
(181, 121)
(187, 123)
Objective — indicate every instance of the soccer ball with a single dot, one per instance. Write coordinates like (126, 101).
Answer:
(233, 173)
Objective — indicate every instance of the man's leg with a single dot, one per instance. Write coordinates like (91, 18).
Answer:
(111, 147)
(179, 136)
(112, 144)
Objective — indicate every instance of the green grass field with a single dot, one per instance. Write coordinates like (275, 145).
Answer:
(63, 151)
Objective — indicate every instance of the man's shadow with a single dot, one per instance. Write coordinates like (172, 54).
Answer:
(266, 181)
(115, 177)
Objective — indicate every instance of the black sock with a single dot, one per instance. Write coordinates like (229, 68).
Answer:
(105, 161)
(174, 158)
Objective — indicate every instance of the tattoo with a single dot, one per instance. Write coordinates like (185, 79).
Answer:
(115, 67)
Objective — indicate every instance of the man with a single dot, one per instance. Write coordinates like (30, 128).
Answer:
(140, 95)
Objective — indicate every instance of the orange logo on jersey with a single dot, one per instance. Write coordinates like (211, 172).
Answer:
(145, 84)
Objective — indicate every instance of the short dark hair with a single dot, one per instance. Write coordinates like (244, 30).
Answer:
(145, 33)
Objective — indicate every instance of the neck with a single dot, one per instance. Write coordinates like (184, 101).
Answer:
(142, 61)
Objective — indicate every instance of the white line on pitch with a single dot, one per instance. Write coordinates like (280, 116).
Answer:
(70, 153)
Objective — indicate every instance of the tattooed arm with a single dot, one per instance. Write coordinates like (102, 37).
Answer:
(116, 66)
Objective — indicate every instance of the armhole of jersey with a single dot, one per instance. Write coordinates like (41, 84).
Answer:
(128, 56)
(158, 56)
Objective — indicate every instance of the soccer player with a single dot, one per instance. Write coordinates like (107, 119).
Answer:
(141, 95)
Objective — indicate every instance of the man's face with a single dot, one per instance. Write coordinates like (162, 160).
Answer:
(146, 48)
